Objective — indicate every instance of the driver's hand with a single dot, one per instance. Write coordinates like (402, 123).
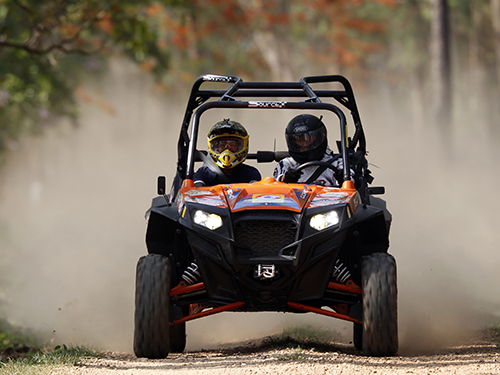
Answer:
(319, 182)
(292, 175)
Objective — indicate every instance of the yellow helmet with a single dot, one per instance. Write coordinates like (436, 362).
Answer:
(228, 143)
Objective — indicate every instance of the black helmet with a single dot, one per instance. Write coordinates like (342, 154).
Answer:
(228, 143)
(306, 138)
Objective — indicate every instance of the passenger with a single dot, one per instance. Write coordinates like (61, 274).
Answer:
(307, 141)
(228, 148)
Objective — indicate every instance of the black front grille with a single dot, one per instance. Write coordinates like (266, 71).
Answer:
(260, 237)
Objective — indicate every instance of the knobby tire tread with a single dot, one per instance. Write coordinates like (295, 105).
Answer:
(152, 305)
(379, 284)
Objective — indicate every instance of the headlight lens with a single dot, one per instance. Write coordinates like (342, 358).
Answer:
(322, 221)
(207, 220)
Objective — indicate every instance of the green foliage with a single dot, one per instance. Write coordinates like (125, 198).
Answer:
(32, 92)
(47, 46)
(22, 353)
(40, 360)
(15, 343)
(61, 355)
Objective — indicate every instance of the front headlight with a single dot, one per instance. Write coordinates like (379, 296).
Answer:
(325, 220)
(207, 220)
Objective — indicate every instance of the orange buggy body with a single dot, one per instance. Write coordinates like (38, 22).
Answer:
(267, 245)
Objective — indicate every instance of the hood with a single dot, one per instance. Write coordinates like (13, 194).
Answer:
(268, 194)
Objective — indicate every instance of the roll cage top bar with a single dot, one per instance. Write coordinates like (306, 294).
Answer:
(230, 99)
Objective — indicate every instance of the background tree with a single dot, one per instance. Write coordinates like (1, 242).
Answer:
(275, 39)
(495, 18)
(473, 77)
(46, 46)
(441, 63)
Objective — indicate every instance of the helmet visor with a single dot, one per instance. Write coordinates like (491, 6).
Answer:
(303, 142)
(232, 144)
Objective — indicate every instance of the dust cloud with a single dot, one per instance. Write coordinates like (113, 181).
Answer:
(72, 206)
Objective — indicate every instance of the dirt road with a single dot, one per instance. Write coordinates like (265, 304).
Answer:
(481, 356)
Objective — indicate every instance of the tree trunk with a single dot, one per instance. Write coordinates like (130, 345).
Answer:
(476, 81)
(440, 63)
(269, 47)
(495, 20)
(419, 67)
(272, 44)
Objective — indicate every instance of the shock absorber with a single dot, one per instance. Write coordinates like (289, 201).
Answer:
(340, 272)
(191, 275)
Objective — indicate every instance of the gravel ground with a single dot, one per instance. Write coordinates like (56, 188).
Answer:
(481, 356)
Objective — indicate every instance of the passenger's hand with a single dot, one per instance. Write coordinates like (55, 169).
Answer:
(292, 175)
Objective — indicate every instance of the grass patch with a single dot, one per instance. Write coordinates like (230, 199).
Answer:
(14, 343)
(22, 354)
(40, 361)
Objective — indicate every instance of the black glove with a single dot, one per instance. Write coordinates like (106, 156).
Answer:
(339, 176)
(292, 175)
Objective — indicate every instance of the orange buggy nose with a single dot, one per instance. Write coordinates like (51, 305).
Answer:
(268, 180)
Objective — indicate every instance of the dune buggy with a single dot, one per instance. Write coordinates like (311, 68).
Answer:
(268, 245)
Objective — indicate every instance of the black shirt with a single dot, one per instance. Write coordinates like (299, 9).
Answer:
(241, 173)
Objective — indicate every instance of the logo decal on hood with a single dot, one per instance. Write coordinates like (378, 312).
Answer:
(268, 198)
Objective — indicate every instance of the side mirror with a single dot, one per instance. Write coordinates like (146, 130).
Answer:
(376, 190)
(162, 182)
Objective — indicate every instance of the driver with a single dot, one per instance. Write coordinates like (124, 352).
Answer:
(307, 141)
(228, 146)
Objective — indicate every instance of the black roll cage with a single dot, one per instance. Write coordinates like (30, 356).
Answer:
(240, 89)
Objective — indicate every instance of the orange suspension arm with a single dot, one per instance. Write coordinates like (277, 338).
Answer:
(215, 310)
(349, 287)
(317, 310)
(183, 288)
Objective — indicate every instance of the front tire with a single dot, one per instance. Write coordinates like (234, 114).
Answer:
(357, 334)
(152, 305)
(379, 287)
(178, 338)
